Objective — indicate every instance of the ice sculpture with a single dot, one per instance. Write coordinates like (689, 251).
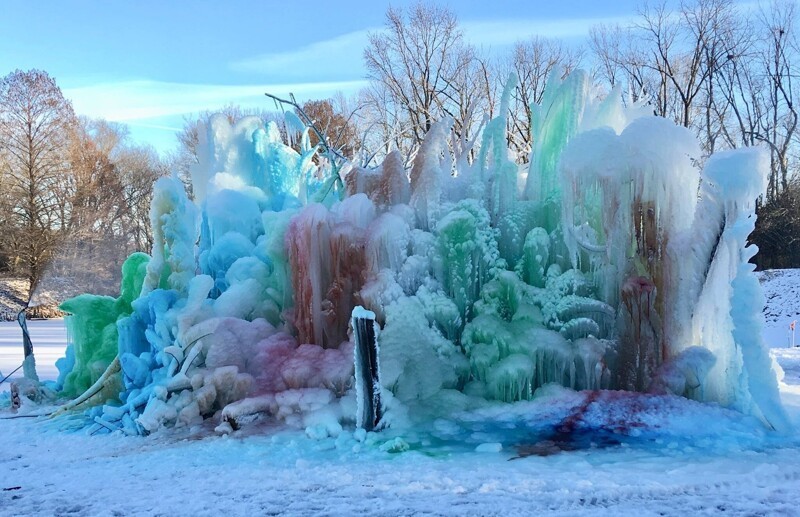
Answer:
(612, 261)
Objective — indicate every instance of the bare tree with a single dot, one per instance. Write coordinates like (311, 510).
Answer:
(684, 47)
(669, 57)
(103, 210)
(621, 63)
(423, 71)
(36, 122)
(95, 196)
(336, 124)
(383, 126)
(138, 167)
(533, 61)
(779, 60)
(113, 183)
(754, 96)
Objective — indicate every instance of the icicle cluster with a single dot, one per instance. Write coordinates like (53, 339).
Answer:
(596, 266)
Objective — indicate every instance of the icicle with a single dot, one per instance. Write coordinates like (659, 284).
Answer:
(174, 220)
(307, 240)
(386, 185)
(499, 172)
(553, 123)
(608, 269)
(428, 173)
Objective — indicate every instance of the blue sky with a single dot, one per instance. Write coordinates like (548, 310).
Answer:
(151, 63)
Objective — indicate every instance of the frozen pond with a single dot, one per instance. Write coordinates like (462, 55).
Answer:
(49, 339)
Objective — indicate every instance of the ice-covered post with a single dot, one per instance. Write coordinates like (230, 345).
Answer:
(368, 385)
(29, 362)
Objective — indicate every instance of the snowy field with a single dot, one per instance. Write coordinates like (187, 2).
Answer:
(705, 461)
(49, 338)
(782, 293)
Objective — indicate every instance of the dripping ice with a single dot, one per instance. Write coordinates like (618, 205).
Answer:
(597, 266)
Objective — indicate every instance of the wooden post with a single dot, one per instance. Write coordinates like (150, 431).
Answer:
(368, 384)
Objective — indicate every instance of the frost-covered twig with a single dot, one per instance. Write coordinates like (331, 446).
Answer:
(336, 158)
(310, 123)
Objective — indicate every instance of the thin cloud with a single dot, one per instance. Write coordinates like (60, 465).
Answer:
(507, 32)
(145, 99)
(334, 56)
(342, 55)
(161, 127)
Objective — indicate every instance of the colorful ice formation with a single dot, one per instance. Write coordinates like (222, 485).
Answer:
(611, 261)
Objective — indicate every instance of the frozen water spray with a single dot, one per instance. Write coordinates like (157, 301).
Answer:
(601, 268)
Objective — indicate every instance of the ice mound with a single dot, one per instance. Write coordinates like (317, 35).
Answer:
(613, 261)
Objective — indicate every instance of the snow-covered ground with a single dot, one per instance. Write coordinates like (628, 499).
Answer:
(700, 460)
(782, 293)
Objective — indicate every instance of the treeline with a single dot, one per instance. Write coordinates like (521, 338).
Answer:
(726, 71)
(71, 188)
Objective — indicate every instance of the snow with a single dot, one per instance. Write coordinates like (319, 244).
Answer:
(49, 339)
(782, 292)
(621, 265)
(60, 471)
(728, 464)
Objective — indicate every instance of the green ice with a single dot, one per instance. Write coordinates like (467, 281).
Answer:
(92, 326)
